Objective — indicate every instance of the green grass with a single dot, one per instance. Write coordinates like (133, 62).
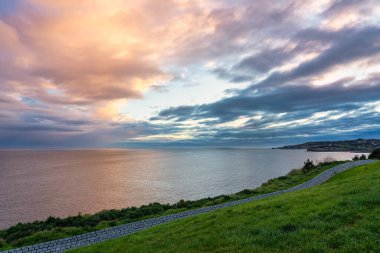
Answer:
(55, 228)
(342, 215)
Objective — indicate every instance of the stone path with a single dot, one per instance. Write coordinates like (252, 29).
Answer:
(64, 244)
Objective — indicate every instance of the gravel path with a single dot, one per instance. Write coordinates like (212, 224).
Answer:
(64, 244)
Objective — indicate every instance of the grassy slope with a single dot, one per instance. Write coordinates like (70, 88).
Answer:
(27, 234)
(342, 215)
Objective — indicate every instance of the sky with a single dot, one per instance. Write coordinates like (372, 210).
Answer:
(121, 73)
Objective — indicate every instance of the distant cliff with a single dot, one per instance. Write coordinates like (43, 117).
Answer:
(359, 145)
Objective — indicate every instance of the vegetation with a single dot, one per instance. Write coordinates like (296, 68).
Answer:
(54, 228)
(357, 158)
(308, 166)
(342, 215)
(375, 154)
(359, 145)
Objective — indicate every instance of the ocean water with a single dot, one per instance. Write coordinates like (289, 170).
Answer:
(35, 184)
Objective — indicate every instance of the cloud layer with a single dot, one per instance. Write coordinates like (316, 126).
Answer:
(296, 70)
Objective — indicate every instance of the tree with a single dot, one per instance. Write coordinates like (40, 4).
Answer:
(363, 157)
(375, 154)
(307, 166)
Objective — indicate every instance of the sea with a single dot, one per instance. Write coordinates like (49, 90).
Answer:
(36, 184)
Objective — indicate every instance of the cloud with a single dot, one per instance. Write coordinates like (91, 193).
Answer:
(77, 48)
(293, 98)
(350, 13)
(350, 48)
(264, 61)
(343, 47)
(272, 129)
(69, 70)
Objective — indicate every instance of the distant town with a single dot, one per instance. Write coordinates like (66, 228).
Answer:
(359, 145)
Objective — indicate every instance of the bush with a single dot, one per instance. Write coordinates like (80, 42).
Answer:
(308, 166)
(357, 158)
(246, 191)
(375, 154)
(182, 204)
(226, 197)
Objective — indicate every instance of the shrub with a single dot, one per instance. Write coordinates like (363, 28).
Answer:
(181, 204)
(226, 197)
(357, 158)
(246, 191)
(375, 154)
(308, 165)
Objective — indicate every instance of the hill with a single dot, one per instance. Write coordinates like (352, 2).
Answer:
(341, 215)
(359, 145)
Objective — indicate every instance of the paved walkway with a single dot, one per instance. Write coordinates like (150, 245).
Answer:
(64, 244)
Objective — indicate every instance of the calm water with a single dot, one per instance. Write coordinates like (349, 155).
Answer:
(37, 183)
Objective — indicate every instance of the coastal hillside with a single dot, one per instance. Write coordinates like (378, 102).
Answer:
(24, 234)
(359, 145)
(341, 215)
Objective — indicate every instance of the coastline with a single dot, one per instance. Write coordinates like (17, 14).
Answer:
(56, 228)
(328, 150)
(131, 228)
(352, 146)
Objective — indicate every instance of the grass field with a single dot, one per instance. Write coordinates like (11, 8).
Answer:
(55, 228)
(342, 215)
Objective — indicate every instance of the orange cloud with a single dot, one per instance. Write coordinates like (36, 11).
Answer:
(95, 52)
(81, 47)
